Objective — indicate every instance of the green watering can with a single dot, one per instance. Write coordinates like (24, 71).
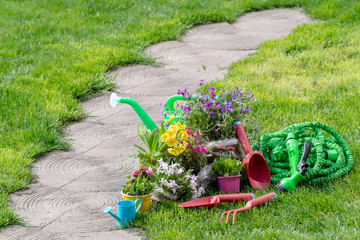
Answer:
(169, 108)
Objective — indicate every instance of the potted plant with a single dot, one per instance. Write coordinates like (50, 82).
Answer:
(139, 185)
(228, 174)
(174, 183)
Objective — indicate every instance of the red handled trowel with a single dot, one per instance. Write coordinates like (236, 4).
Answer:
(213, 201)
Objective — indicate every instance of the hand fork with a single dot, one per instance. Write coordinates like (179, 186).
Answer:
(250, 204)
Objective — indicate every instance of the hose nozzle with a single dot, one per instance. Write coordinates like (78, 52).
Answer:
(289, 184)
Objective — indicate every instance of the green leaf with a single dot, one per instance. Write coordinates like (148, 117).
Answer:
(163, 146)
(140, 148)
(162, 129)
(144, 135)
(157, 154)
(129, 156)
(154, 140)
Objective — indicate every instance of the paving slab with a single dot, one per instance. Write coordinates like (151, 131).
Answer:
(72, 188)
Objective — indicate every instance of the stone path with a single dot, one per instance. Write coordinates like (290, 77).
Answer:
(72, 188)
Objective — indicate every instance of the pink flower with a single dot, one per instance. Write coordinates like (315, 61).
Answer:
(203, 150)
(150, 172)
(131, 179)
(142, 168)
(135, 173)
(231, 148)
(222, 147)
(129, 185)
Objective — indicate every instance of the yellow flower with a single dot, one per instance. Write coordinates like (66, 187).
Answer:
(183, 135)
(171, 133)
(170, 119)
(172, 142)
(174, 128)
(185, 143)
(173, 151)
(181, 148)
(182, 127)
(164, 137)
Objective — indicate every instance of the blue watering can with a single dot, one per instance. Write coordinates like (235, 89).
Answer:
(126, 212)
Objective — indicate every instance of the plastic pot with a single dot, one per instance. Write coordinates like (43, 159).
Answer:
(229, 184)
(145, 199)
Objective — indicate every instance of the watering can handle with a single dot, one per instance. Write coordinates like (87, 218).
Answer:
(169, 104)
(136, 200)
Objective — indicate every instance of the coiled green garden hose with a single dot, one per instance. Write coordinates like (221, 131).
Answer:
(322, 166)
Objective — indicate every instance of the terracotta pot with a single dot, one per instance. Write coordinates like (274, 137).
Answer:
(229, 184)
(145, 199)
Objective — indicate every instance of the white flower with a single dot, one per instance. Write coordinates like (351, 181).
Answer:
(172, 185)
(193, 185)
(193, 178)
(175, 166)
(163, 181)
(170, 171)
(159, 170)
(198, 192)
(180, 171)
(201, 190)
(163, 165)
(195, 195)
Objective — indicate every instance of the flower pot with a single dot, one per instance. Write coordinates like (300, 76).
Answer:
(229, 184)
(145, 199)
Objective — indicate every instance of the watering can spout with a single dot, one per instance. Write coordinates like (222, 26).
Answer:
(108, 210)
(114, 100)
(148, 122)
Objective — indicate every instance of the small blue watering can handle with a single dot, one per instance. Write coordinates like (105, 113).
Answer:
(136, 200)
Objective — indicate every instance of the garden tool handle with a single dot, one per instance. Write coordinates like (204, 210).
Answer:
(261, 200)
(243, 139)
(236, 197)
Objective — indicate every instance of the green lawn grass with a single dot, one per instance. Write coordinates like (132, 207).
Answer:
(54, 54)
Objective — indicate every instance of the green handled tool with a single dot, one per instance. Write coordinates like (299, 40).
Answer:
(298, 168)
